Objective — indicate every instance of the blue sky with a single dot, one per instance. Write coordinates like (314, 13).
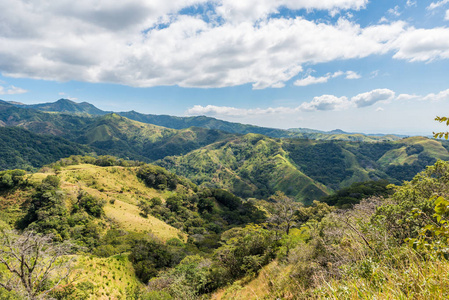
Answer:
(357, 65)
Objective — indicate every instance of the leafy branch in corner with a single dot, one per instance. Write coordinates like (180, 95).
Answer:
(439, 135)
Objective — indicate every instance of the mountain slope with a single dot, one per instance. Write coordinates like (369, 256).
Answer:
(249, 166)
(257, 166)
(22, 149)
(68, 106)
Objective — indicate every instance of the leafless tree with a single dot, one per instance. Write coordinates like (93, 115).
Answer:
(33, 264)
(283, 212)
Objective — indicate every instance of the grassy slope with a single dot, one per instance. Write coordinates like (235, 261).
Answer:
(112, 277)
(432, 147)
(119, 184)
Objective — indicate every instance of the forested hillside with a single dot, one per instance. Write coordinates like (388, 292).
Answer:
(257, 166)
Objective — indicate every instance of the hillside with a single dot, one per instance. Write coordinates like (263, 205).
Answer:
(257, 166)
(22, 149)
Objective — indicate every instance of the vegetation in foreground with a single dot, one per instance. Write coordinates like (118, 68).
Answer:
(387, 247)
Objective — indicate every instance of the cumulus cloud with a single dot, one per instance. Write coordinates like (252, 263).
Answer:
(323, 79)
(238, 10)
(422, 44)
(441, 96)
(319, 103)
(11, 90)
(374, 96)
(149, 43)
(326, 102)
(213, 110)
(446, 17)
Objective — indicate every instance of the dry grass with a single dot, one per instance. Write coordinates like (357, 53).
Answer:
(111, 276)
(120, 186)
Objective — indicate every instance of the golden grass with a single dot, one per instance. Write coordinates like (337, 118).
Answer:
(111, 276)
(120, 186)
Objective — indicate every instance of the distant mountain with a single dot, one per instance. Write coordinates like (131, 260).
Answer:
(84, 108)
(68, 106)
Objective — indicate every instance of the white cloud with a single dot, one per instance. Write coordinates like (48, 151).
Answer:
(352, 75)
(411, 3)
(11, 90)
(311, 80)
(213, 110)
(323, 79)
(374, 96)
(394, 11)
(239, 11)
(422, 44)
(446, 17)
(326, 102)
(441, 96)
(320, 103)
(406, 97)
(147, 43)
(437, 4)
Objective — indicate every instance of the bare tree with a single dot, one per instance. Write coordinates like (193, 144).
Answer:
(283, 212)
(34, 265)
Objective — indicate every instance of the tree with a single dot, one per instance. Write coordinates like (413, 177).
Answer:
(32, 264)
(283, 213)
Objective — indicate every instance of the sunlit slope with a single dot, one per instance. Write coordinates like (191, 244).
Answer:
(257, 166)
(250, 166)
(127, 138)
(121, 190)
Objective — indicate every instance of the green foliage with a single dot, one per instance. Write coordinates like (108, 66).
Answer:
(324, 162)
(28, 151)
(157, 177)
(441, 134)
(347, 197)
(245, 250)
(90, 204)
(434, 237)
(148, 256)
(11, 178)
(398, 216)
(47, 212)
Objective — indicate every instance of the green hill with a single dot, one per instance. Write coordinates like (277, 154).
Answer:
(257, 166)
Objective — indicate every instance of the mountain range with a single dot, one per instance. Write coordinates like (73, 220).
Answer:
(250, 161)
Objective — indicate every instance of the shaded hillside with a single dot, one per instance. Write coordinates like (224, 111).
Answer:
(22, 149)
(135, 140)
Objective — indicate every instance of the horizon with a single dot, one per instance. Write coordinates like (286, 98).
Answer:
(287, 129)
(357, 65)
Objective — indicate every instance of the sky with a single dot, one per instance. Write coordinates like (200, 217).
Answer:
(357, 65)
